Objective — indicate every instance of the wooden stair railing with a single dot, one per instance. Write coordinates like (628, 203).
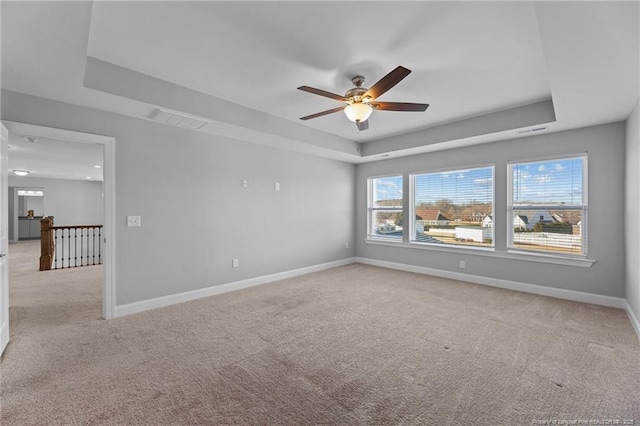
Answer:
(69, 246)
(46, 243)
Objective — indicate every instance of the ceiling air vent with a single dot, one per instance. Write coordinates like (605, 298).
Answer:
(537, 129)
(179, 120)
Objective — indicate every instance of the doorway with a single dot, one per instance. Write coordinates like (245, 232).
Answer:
(107, 169)
(26, 208)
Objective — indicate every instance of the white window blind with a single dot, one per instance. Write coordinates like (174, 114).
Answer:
(385, 208)
(454, 207)
(548, 206)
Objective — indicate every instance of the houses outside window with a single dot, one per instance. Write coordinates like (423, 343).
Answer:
(548, 206)
(453, 207)
(385, 218)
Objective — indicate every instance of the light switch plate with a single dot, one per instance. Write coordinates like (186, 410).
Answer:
(133, 220)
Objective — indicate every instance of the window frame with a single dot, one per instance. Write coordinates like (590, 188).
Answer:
(372, 209)
(412, 207)
(583, 207)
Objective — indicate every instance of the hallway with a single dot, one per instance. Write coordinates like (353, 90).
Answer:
(39, 300)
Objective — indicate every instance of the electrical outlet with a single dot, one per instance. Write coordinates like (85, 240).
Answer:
(245, 183)
(346, 245)
(277, 186)
(235, 263)
(462, 264)
(133, 220)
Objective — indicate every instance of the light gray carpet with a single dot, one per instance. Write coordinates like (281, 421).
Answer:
(351, 345)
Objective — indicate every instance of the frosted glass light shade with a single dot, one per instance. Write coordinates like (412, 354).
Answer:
(358, 111)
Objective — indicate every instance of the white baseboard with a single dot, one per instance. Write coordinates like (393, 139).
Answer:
(4, 336)
(577, 296)
(159, 302)
(633, 318)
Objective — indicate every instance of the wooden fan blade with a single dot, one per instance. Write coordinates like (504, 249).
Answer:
(399, 106)
(320, 114)
(362, 125)
(323, 93)
(387, 82)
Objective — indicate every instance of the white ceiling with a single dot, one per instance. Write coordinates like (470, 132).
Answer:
(55, 158)
(466, 59)
(245, 59)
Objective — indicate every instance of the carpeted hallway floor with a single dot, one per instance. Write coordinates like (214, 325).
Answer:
(351, 345)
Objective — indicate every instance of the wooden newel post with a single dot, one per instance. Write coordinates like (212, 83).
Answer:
(46, 243)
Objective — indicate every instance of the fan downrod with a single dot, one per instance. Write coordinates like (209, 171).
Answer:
(357, 80)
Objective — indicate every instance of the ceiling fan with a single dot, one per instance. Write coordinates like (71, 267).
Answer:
(360, 101)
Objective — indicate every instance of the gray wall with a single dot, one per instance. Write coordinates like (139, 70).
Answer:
(195, 216)
(606, 147)
(70, 202)
(632, 211)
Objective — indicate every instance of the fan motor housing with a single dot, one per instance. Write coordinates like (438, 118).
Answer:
(356, 93)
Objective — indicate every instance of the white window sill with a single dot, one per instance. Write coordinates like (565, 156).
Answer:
(487, 252)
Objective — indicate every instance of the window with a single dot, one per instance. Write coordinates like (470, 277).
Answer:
(385, 208)
(548, 206)
(453, 207)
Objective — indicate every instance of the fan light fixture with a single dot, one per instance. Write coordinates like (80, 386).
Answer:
(20, 172)
(360, 101)
(358, 111)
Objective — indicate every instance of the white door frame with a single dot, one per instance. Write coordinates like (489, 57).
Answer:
(4, 242)
(108, 204)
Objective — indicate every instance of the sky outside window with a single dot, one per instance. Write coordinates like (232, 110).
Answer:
(552, 182)
(459, 186)
(387, 188)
